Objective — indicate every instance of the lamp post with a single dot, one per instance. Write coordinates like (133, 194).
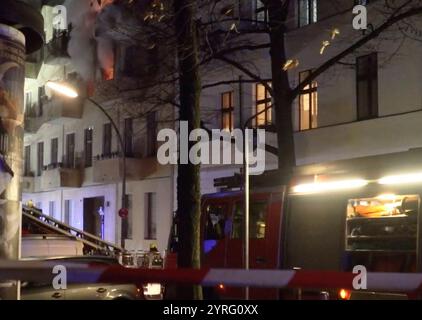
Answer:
(123, 212)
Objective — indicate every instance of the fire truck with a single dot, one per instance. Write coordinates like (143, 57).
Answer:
(363, 211)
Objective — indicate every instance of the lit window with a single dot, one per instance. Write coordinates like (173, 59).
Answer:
(308, 104)
(227, 107)
(308, 12)
(263, 102)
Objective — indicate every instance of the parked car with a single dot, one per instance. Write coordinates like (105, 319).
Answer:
(96, 291)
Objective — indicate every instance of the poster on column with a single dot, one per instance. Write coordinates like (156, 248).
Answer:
(12, 77)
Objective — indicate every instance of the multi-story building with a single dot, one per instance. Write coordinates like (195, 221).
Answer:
(369, 103)
(73, 158)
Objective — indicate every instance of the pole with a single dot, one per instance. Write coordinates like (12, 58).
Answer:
(246, 199)
(12, 73)
(124, 223)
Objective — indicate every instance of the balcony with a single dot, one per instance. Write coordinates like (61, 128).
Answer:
(53, 110)
(59, 176)
(28, 182)
(55, 51)
(109, 169)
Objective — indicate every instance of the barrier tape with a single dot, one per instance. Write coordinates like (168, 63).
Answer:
(41, 271)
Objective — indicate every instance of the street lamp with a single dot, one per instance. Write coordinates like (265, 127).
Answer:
(70, 92)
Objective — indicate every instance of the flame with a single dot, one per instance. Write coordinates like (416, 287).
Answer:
(108, 73)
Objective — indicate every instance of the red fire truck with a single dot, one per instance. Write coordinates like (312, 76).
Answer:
(363, 211)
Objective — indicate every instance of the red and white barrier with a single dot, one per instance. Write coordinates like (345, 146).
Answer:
(88, 273)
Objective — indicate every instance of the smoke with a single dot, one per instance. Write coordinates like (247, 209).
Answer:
(84, 44)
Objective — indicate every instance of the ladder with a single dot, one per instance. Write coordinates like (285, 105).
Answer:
(92, 244)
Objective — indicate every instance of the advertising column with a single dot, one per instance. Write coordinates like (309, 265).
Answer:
(12, 77)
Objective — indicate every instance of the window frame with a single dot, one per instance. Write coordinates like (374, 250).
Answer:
(267, 101)
(227, 110)
(371, 79)
(313, 110)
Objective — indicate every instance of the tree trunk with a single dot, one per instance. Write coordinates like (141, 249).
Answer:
(188, 178)
(282, 97)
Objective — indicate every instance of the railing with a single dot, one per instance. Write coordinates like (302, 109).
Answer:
(93, 244)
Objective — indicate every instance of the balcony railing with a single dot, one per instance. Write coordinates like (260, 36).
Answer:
(108, 168)
(56, 108)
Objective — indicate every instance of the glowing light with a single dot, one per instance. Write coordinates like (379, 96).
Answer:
(290, 64)
(221, 286)
(62, 89)
(335, 32)
(327, 186)
(325, 44)
(386, 197)
(344, 294)
(401, 179)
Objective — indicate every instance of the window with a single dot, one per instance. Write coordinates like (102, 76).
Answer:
(28, 101)
(129, 206)
(227, 111)
(308, 104)
(41, 95)
(151, 134)
(308, 12)
(27, 166)
(367, 86)
(150, 216)
(107, 139)
(257, 218)
(54, 151)
(70, 150)
(129, 137)
(263, 101)
(52, 209)
(88, 147)
(261, 13)
(68, 211)
(216, 222)
(38, 205)
(40, 157)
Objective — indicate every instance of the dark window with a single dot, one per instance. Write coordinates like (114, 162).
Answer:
(150, 216)
(27, 168)
(151, 134)
(263, 102)
(54, 150)
(227, 111)
(308, 104)
(129, 206)
(70, 150)
(41, 95)
(67, 211)
(261, 13)
(107, 139)
(367, 86)
(215, 225)
(257, 220)
(40, 157)
(88, 147)
(129, 137)
(308, 12)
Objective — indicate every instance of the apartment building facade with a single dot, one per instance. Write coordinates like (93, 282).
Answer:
(366, 104)
(73, 156)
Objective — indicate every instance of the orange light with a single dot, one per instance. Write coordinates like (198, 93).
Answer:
(221, 286)
(344, 294)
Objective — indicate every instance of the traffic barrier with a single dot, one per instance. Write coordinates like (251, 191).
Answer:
(41, 271)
